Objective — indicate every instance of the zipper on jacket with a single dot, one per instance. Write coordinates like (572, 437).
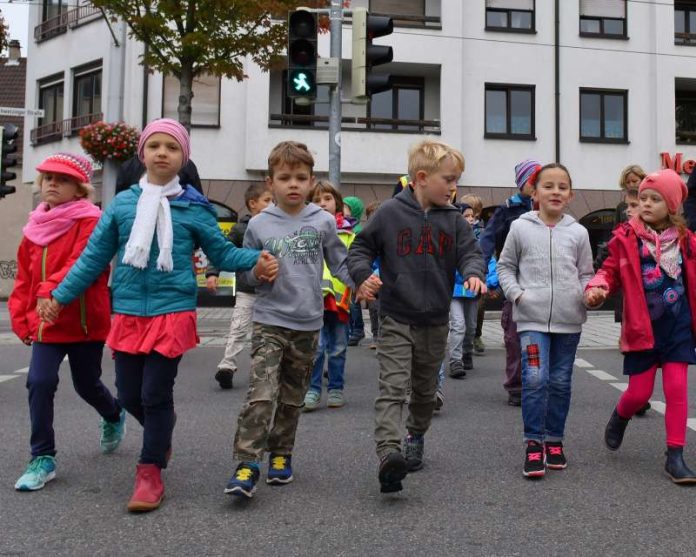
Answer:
(425, 256)
(44, 257)
(551, 267)
(83, 314)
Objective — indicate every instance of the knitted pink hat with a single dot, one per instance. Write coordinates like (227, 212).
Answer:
(669, 185)
(71, 165)
(170, 127)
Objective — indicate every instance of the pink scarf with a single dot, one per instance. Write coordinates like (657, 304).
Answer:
(663, 247)
(46, 225)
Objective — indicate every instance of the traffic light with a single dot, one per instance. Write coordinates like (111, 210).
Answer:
(9, 134)
(302, 54)
(366, 56)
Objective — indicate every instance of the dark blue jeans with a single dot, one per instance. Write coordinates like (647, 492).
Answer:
(357, 324)
(42, 381)
(333, 340)
(547, 369)
(145, 385)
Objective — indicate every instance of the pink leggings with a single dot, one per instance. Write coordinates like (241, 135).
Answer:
(674, 385)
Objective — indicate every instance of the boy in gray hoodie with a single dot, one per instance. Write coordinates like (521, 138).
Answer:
(420, 240)
(287, 317)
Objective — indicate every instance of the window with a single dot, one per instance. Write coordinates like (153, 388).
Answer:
(603, 18)
(51, 101)
(515, 16)
(685, 110)
(52, 8)
(87, 91)
(685, 23)
(509, 111)
(403, 102)
(205, 105)
(400, 7)
(603, 116)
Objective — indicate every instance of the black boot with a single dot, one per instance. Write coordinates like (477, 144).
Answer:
(676, 468)
(614, 433)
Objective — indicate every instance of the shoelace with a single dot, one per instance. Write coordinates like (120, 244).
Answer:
(534, 456)
(278, 462)
(556, 451)
(36, 465)
(244, 474)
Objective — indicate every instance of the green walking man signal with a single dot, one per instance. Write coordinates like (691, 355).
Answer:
(302, 54)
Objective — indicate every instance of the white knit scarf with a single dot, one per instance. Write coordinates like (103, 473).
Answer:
(152, 213)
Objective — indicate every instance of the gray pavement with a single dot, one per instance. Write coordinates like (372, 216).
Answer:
(470, 499)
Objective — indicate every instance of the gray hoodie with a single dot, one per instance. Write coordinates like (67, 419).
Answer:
(543, 270)
(301, 243)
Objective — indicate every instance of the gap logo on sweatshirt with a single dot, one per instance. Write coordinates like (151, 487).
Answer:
(303, 246)
(424, 243)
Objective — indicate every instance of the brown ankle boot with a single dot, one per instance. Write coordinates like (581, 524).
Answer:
(149, 489)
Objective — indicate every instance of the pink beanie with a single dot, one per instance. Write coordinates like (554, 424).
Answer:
(669, 185)
(170, 127)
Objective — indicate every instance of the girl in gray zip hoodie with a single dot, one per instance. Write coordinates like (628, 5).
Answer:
(543, 269)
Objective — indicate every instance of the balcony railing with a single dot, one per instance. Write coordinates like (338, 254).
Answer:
(70, 18)
(55, 131)
(685, 39)
(357, 123)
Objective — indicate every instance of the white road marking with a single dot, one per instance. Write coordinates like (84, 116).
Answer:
(21, 370)
(691, 423)
(658, 406)
(7, 377)
(582, 363)
(603, 375)
(621, 386)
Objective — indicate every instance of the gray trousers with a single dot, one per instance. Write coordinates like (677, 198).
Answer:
(406, 352)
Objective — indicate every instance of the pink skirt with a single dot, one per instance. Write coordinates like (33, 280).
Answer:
(170, 334)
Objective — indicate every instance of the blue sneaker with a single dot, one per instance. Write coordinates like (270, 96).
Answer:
(279, 469)
(112, 433)
(243, 481)
(41, 470)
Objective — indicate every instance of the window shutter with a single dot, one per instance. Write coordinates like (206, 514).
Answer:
(398, 7)
(511, 4)
(603, 8)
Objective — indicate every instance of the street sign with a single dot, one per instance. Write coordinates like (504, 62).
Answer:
(11, 111)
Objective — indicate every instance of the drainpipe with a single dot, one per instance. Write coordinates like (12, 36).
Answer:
(557, 78)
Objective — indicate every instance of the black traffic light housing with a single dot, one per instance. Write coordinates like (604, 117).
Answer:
(8, 159)
(302, 54)
(366, 55)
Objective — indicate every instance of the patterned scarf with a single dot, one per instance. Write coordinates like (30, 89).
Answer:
(663, 247)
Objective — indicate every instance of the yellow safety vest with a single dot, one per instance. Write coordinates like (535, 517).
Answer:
(331, 285)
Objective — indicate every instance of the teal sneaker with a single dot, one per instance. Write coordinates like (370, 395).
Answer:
(112, 433)
(311, 401)
(279, 469)
(40, 471)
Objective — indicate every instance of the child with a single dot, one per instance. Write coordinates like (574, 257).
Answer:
(354, 208)
(153, 229)
(421, 240)
(54, 237)
(492, 242)
(543, 270)
(287, 317)
(256, 198)
(651, 259)
(373, 305)
(333, 337)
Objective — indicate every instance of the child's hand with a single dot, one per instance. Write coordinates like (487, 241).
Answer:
(595, 296)
(475, 285)
(493, 294)
(27, 341)
(211, 283)
(368, 289)
(266, 268)
(48, 310)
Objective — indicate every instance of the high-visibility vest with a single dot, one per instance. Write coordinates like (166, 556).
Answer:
(331, 285)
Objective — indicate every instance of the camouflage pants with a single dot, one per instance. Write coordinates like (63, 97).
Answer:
(281, 365)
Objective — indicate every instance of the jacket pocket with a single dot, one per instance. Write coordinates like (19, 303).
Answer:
(568, 307)
(533, 306)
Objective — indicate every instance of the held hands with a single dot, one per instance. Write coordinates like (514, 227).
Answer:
(368, 289)
(266, 268)
(48, 310)
(475, 285)
(493, 294)
(211, 283)
(595, 296)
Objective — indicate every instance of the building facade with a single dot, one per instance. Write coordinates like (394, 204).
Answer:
(595, 84)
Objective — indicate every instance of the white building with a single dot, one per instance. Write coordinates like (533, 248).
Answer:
(485, 75)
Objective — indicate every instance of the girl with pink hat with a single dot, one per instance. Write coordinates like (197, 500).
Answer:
(652, 259)
(54, 237)
(152, 229)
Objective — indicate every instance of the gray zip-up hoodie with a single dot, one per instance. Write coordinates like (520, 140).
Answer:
(301, 243)
(543, 270)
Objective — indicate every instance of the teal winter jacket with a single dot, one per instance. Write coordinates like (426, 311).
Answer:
(149, 292)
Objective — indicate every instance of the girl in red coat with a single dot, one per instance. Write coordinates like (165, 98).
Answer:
(652, 258)
(54, 237)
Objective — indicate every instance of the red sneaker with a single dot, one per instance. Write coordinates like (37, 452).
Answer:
(149, 489)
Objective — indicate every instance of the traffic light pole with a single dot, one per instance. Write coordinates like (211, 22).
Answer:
(336, 19)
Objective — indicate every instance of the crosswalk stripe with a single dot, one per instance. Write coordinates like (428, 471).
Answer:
(603, 375)
(582, 363)
(7, 377)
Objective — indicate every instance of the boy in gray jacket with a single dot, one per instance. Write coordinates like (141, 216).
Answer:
(287, 317)
(420, 240)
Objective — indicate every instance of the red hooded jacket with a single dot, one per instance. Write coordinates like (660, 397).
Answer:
(39, 271)
(621, 270)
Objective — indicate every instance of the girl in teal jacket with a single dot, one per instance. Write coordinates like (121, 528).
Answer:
(153, 229)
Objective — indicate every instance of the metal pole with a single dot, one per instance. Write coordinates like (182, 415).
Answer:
(336, 18)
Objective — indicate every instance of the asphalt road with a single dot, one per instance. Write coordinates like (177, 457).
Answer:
(470, 499)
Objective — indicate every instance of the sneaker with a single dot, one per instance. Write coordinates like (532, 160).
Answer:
(439, 400)
(468, 361)
(224, 377)
(279, 469)
(479, 346)
(149, 489)
(555, 458)
(643, 409)
(243, 481)
(414, 446)
(336, 399)
(392, 469)
(112, 433)
(355, 340)
(456, 369)
(311, 401)
(373, 346)
(534, 462)
(515, 399)
(41, 470)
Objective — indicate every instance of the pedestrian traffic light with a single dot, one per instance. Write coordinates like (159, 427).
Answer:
(302, 54)
(9, 133)
(366, 56)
